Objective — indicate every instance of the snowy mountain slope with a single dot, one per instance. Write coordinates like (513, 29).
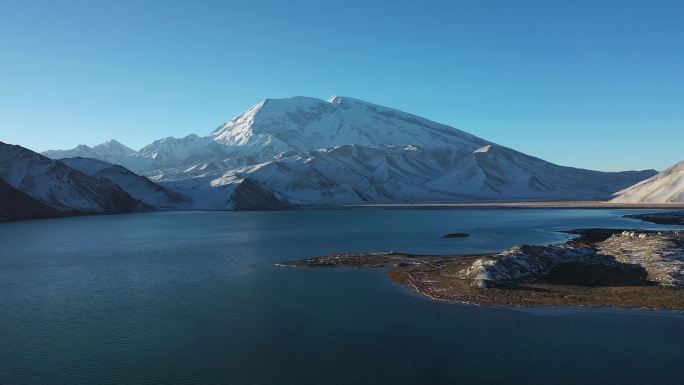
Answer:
(227, 193)
(350, 174)
(110, 151)
(135, 185)
(356, 174)
(59, 186)
(274, 126)
(344, 151)
(666, 187)
(174, 153)
(494, 171)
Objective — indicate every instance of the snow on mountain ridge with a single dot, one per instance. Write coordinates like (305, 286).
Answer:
(299, 124)
(665, 187)
(494, 171)
(302, 123)
(306, 150)
(110, 151)
(135, 185)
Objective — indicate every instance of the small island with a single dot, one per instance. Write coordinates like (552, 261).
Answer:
(600, 267)
(456, 235)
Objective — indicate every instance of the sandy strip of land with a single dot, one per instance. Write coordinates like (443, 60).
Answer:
(548, 204)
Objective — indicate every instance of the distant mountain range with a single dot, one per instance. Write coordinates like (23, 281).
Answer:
(110, 151)
(307, 151)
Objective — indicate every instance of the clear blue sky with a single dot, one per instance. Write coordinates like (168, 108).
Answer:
(594, 84)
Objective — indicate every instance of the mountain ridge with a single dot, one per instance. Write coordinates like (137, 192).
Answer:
(309, 151)
(110, 151)
(136, 186)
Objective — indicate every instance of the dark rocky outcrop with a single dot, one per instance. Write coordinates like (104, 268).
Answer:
(249, 195)
(15, 205)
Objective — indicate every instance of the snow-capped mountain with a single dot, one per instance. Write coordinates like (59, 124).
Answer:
(665, 187)
(307, 151)
(274, 126)
(110, 151)
(135, 185)
(62, 188)
(174, 153)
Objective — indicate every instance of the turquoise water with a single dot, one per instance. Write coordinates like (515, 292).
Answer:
(196, 298)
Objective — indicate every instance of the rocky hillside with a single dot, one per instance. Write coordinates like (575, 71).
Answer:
(135, 185)
(44, 187)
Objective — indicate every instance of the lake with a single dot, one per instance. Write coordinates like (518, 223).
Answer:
(196, 298)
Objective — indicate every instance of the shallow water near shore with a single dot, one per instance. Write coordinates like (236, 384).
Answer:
(196, 297)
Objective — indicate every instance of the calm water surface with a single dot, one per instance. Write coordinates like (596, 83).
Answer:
(195, 298)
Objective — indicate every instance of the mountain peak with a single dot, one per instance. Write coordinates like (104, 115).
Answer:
(110, 151)
(303, 123)
(113, 144)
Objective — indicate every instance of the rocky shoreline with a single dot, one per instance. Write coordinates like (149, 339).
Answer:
(600, 267)
(668, 218)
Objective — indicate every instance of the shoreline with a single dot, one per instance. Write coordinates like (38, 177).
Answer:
(403, 206)
(520, 205)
